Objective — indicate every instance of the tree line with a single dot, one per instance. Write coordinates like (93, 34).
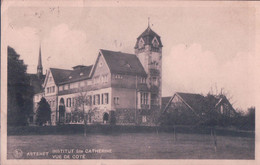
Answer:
(19, 91)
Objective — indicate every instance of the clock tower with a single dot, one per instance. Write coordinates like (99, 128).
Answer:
(148, 49)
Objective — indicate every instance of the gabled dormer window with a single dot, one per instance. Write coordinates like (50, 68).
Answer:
(155, 42)
(141, 43)
(128, 65)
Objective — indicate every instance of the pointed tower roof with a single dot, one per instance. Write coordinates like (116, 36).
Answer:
(149, 32)
(148, 36)
(39, 66)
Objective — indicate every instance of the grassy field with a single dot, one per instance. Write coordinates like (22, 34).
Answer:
(137, 146)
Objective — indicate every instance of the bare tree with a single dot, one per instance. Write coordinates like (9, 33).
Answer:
(82, 99)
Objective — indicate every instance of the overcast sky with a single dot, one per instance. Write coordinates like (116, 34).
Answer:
(205, 48)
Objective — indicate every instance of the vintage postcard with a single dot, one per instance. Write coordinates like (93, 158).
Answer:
(129, 82)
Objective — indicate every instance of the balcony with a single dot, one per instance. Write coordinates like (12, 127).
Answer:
(142, 87)
(154, 89)
(154, 71)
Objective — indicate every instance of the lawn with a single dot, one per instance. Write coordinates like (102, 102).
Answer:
(135, 146)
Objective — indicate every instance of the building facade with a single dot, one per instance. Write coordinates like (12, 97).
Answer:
(119, 88)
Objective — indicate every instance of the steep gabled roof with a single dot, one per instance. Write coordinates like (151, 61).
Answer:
(59, 74)
(195, 102)
(79, 73)
(123, 63)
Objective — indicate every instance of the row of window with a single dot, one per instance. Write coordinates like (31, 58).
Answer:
(96, 80)
(100, 79)
(118, 76)
(140, 79)
(97, 100)
(100, 99)
(51, 89)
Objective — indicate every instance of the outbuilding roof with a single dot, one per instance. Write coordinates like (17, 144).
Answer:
(198, 103)
(195, 101)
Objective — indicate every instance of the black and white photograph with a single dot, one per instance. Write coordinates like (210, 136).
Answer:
(124, 80)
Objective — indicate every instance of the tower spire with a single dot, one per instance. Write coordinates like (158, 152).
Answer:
(148, 22)
(39, 66)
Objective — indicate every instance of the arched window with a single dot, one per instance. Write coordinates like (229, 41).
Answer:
(61, 101)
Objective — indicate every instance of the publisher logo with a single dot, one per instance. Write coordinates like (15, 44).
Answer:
(18, 153)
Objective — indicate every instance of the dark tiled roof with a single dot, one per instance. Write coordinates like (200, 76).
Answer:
(165, 101)
(79, 73)
(59, 74)
(148, 35)
(123, 63)
(148, 32)
(36, 83)
(213, 100)
(196, 101)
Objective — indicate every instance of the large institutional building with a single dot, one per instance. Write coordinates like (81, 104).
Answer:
(118, 88)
